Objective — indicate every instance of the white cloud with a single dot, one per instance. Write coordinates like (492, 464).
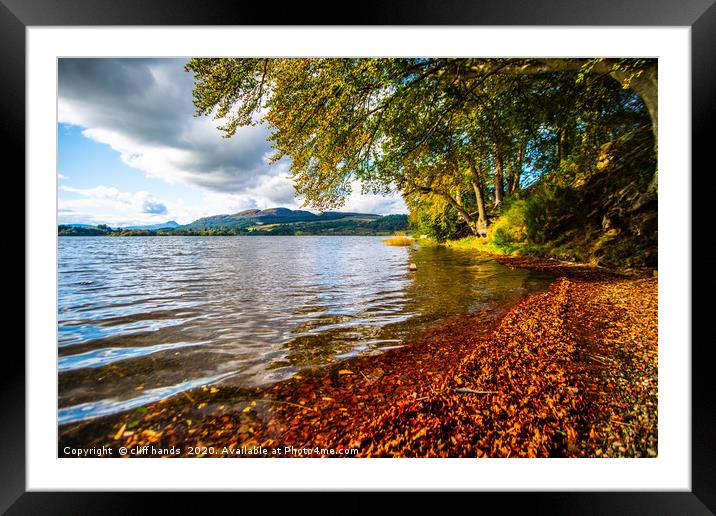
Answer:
(277, 191)
(375, 204)
(142, 109)
(109, 205)
(372, 203)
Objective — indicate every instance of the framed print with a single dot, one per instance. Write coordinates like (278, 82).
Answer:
(431, 243)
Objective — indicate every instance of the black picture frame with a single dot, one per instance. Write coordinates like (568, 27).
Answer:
(699, 15)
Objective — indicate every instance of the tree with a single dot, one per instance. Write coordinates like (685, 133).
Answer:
(641, 75)
(464, 131)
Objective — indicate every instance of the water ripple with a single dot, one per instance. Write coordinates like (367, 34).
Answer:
(106, 407)
(174, 311)
(105, 356)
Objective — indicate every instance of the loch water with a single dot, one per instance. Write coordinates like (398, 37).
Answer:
(144, 318)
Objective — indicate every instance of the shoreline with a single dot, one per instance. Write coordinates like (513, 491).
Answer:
(473, 386)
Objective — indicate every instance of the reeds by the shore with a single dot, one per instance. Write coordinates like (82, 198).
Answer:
(399, 239)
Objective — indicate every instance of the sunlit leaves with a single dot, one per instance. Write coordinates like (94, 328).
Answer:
(418, 125)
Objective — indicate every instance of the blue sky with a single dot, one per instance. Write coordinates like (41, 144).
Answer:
(130, 151)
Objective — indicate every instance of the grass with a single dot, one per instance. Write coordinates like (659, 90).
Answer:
(484, 244)
(517, 228)
(399, 240)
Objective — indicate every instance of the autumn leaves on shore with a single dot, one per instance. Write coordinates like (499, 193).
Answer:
(570, 372)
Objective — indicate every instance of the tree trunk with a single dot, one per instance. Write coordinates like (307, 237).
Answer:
(647, 87)
(559, 146)
(464, 215)
(563, 144)
(499, 187)
(480, 199)
(517, 173)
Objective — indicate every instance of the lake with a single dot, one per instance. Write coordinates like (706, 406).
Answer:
(144, 318)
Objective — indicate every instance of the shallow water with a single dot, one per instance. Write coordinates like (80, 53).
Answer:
(144, 318)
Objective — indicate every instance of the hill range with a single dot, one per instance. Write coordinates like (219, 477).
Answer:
(272, 221)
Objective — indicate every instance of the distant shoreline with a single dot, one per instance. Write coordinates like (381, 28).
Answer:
(230, 235)
(279, 221)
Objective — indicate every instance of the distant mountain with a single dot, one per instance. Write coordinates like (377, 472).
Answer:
(273, 221)
(166, 225)
(257, 218)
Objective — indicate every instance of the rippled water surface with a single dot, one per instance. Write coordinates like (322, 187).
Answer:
(143, 318)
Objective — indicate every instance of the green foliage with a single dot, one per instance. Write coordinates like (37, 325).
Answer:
(386, 225)
(547, 209)
(598, 216)
(390, 223)
(68, 230)
(435, 219)
(410, 123)
(511, 226)
(451, 135)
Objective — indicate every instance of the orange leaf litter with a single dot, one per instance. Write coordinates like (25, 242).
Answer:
(569, 372)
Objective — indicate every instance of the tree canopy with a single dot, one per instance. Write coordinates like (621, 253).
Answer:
(454, 136)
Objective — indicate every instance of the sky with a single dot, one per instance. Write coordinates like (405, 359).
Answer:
(131, 151)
